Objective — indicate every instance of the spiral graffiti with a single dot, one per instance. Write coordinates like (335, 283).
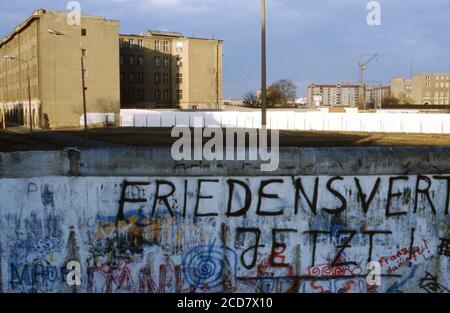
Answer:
(204, 265)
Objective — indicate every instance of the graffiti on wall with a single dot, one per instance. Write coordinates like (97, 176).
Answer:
(226, 234)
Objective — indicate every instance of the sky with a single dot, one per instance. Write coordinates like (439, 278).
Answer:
(308, 41)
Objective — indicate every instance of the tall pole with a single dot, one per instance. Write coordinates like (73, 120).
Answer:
(4, 96)
(29, 99)
(263, 67)
(83, 84)
(84, 99)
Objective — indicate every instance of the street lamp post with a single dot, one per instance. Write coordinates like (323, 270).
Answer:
(263, 65)
(83, 83)
(4, 98)
(8, 57)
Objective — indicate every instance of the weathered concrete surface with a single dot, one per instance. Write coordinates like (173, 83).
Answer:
(138, 222)
(157, 161)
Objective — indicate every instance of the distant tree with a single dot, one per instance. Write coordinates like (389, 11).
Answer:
(281, 92)
(250, 98)
(390, 100)
(405, 99)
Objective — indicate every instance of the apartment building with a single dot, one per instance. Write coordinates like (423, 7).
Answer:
(423, 89)
(52, 46)
(344, 95)
(167, 70)
(375, 96)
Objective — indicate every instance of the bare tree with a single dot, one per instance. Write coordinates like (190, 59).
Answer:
(390, 100)
(405, 99)
(281, 92)
(250, 98)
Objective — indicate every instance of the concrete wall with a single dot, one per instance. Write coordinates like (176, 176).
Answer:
(383, 122)
(139, 222)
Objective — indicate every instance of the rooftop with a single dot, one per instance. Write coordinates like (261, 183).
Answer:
(165, 33)
(36, 15)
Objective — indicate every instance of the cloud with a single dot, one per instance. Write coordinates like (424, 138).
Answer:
(165, 3)
(308, 40)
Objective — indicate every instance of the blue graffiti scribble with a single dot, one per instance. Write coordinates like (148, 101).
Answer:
(395, 287)
(204, 265)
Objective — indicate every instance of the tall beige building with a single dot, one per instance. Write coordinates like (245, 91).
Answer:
(55, 70)
(428, 88)
(167, 70)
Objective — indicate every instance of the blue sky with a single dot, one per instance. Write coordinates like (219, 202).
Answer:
(309, 41)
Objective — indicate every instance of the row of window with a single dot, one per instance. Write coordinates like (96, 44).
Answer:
(17, 77)
(18, 94)
(437, 85)
(442, 94)
(428, 77)
(139, 44)
(132, 77)
(140, 60)
(134, 95)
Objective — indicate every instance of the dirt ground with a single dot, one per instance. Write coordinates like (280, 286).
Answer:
(20, 139)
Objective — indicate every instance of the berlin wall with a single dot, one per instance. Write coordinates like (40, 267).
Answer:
(138, 222)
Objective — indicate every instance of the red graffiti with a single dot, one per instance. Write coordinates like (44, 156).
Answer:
(115, 277)
(147, 283)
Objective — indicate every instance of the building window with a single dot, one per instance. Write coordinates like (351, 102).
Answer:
(179, 61)
(84, 52)
(157, 94)
(157, 45)
(141, 60)
(179, 46)
(131, 77)
(131, 94)
(121, 43)
(179, 94)
(131, 41)
(157, 61)
(140, 44)
(166, 61)
(166, 46)
(166, 94)
(83, 32)
(141, 94)
(141, 77)
(179, 78)
(166, 78)
(157, 78)
(131, 60)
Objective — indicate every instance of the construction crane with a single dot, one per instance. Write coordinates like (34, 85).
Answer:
(362, 86)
